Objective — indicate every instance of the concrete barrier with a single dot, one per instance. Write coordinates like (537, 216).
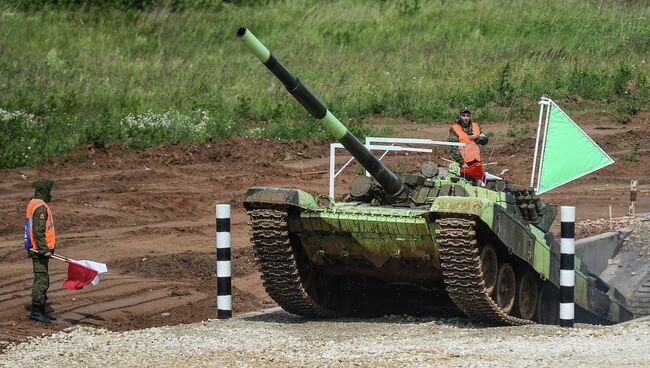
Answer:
(596, 250)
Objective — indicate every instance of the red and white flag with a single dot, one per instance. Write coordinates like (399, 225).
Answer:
(82, 273)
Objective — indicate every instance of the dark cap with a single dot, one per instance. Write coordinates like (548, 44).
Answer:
(465, 110)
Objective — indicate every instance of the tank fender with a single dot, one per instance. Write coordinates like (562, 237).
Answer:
(279, 196)
(463, 205)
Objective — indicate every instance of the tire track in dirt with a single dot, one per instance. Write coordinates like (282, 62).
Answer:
(116, 297)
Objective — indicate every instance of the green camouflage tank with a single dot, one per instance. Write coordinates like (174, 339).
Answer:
(422, 244)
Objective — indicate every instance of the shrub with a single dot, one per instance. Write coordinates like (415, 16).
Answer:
(631, 156)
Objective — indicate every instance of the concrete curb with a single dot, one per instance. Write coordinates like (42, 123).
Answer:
(259, 313)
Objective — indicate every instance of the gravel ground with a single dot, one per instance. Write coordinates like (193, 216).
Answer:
(639, 239)
(277, 339)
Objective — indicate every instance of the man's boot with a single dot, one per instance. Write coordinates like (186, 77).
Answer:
(47, 312)
(37, 315)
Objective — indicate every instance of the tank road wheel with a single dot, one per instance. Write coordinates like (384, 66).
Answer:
(505, 288)
(548, 306)
(526, 299)
(489, 267)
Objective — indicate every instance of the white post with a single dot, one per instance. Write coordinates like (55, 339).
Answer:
(332, 168)
(633, 186)
(224, 292)
(542, 104)
(567, 265)
(541, 158)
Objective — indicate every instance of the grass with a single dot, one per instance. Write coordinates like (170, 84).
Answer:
(77, 75)
(632, 155)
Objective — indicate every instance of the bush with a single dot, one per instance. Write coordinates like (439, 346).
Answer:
(517, 131)
(156, 128)
(18, 147)
(631, 156)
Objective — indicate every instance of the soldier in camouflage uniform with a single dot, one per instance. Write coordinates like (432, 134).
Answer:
(465, 122)
(41, 253)
(468, 156)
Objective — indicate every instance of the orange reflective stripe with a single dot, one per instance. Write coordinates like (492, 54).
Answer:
(471, 151)
(50, 234)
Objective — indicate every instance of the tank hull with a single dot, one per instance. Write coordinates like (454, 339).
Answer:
(354, 258)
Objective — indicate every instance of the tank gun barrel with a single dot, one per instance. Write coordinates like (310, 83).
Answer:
(386, 178)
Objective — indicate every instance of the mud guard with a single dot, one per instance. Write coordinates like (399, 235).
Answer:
(256, 196)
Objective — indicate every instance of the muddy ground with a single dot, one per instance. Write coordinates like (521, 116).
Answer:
(150, 216)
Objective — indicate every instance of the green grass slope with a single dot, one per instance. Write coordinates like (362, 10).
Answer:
(145, 73)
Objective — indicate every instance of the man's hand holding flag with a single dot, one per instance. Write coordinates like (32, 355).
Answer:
(80, 273)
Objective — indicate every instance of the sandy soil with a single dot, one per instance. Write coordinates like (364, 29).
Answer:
(150, 216)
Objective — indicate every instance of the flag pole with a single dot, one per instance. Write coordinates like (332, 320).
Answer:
(541, 158)
(542, 102)
(64, 259)
(57, 257)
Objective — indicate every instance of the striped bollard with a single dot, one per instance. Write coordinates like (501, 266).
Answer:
(224, 294)
(567, 261)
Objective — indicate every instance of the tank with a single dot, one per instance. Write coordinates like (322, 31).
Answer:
(434, 243)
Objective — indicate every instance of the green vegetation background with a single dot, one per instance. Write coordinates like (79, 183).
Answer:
(146, 72)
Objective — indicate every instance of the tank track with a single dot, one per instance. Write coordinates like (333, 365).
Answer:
(462, 273)
(277, 263)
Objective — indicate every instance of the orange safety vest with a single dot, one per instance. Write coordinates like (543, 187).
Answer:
(471, 151)
(50, 235)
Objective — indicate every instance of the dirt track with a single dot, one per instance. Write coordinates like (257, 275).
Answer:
(150, 217)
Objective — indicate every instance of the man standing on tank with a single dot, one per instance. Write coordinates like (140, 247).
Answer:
(464, 130)
(40, 242)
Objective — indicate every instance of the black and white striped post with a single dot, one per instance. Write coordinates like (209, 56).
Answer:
(224, 294)
(567, 261)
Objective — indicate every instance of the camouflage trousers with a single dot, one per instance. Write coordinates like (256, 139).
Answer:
(41, 280)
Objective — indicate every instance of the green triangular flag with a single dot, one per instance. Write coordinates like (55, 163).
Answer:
(569, 153)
